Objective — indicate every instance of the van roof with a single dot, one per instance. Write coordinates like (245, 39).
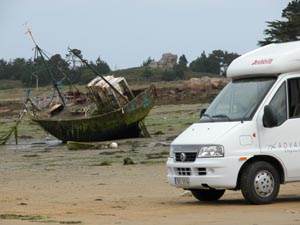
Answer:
(272, 59)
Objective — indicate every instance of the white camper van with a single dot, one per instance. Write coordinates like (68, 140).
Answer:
(249, 136)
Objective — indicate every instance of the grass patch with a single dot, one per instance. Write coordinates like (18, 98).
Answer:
(70, 222)
(31, 156)
(22, 217)
(157, 155)
(10, 84)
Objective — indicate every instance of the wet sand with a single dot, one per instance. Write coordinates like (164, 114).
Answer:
(69, 188)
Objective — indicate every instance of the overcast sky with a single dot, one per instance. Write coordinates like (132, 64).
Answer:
(124, 33)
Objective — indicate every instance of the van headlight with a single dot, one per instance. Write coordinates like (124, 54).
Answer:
(171, 154)
(211, 151)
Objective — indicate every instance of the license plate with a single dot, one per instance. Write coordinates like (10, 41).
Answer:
(182, 181)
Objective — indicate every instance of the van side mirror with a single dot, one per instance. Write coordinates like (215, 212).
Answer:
(202, 112)
(270, 118)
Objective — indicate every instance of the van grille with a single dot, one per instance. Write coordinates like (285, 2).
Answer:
(201, 171)
(184, 171)
(188, 156)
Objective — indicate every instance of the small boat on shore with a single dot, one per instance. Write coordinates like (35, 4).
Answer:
(108, 110)
(76, 123)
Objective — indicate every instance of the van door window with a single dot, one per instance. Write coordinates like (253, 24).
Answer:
(279, 103)
(294, 97)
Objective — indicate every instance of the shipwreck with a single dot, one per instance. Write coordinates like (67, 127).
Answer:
(107, 110)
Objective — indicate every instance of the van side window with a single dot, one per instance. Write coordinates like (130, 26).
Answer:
(279, 103)
(294, 98)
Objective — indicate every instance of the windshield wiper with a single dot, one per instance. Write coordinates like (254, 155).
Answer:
(222, 116)
(209, 116)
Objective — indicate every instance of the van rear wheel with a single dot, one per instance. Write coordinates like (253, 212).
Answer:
(207, 194)
(260, 183)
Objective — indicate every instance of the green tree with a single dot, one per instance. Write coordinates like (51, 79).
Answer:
(199, 64)
(3, 69)
(205, 64)
(40, 71)
(182, 62)
(147, 61)
(101, 66)
(224, 59)
(59, 68)
(74, 75)
(179, 71)
(168, 75)
(18, 68)
(86, 74)
(27, 77)
(147, 73)
(216, 62)
(285, 30)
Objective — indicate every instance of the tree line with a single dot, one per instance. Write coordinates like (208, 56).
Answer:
(28, 71)
(32, 71)
(216, 62)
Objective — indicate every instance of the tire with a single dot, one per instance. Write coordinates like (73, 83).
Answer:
(207, 194)
(260, 183)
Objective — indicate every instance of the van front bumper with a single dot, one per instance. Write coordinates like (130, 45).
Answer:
(218, 173)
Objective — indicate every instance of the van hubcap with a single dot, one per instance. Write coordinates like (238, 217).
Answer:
(264, 183)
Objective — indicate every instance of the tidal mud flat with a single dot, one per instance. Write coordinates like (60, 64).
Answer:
(42, 182)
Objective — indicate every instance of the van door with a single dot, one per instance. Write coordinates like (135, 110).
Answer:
(283, 140)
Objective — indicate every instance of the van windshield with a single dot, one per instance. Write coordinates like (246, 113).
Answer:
(238, 100)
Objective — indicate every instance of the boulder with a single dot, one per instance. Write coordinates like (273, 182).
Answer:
(167, 61)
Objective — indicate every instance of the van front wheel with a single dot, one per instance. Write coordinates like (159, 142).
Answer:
(207, 194)
(260, 183)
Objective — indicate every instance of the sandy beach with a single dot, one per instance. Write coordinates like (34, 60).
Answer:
(42, 182)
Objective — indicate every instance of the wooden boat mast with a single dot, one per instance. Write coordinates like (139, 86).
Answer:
(41, 53)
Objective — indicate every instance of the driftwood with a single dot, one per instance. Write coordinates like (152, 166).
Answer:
(74, 145)
(14, 129)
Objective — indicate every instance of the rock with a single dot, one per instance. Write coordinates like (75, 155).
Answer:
(205, 78)
(195, 83)
(171, 92)
(216, 83)
(206, 83)
(167, 61)
(113, 145)
(186, 194)
(128, 161)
